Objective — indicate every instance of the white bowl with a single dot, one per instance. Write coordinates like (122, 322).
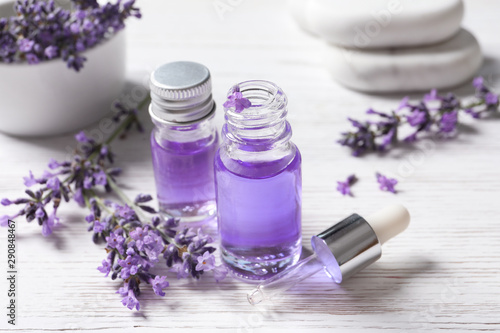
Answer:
(48, 98)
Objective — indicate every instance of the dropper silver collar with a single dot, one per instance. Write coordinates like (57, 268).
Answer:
(347, 247)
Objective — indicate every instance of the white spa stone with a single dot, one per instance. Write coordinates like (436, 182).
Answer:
(410, 69)
(379, 23)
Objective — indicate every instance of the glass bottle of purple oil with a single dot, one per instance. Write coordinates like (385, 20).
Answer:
(258, 183)
(184, 140)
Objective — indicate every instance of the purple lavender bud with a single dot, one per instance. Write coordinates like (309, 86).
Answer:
(26, 45)
(139, 234)
(180, 268)
(82, 137)
(90, 218)
(141, 198)
(403, 104)
(51, 51)
(472, 113)
(172, 222)
(88, 25)
(159, 283)
(54, 184)
(104, 151)
(88, 183)
(115, 241)
(432, 96)
(156, 220)
(4, 220)
(113, 172)
(478, 82)
(411, 138)
(80, 46)
(78, 197)
(345, 187)
(130, 301)
(386, 184)
(448, 122)
(148, 209)
(49, 223)
(491, 99)
(53, 164)
(40, 213)
(416, 118)
(123, 291)
(206, 262)
(6, 202)
(129, 266)
(100, 178)
(30, 180)
(237, 101)
(105, 267)
(99, 226)
(75, 28)
(32, 59)
(80, 14)
(21, 201)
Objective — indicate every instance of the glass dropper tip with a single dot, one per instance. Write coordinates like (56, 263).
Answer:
(256, 296)
(283, 281)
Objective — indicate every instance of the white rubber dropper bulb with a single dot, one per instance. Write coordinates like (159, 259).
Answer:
(389, 222)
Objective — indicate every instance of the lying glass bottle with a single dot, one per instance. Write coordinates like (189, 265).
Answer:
(341, 251)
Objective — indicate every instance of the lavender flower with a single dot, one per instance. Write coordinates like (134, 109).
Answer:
(237, 101)
(385, 183)
(115, 241)
(448, 122)
(130, 300)
(181, 269)
(130, 266)
(206, 262)
(135, 242)
(105, 268)
(345, 186)
(159, 283)
(40, 30)
(421, 117)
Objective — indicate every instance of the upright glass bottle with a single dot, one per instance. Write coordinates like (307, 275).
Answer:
(258, 184)
(184, 141)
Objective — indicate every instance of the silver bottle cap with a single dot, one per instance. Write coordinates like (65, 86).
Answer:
(347, 247)
(181, 92)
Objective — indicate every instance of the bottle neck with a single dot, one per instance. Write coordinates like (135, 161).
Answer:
(201, 130)
(263, 125)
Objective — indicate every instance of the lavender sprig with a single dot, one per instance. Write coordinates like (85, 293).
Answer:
(434, 114)
(137, 237)
(41, 31)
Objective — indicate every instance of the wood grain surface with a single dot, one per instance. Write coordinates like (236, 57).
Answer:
(441, 274)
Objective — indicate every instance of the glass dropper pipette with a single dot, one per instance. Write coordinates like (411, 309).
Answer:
(341, 251)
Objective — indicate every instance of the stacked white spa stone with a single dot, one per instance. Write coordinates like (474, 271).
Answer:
(392, 45)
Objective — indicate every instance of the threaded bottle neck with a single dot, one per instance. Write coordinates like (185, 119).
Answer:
(264, 122)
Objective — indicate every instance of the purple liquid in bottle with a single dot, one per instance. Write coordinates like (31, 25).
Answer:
(259, 186)
(184, 176)
(260, 217)
(184, 140)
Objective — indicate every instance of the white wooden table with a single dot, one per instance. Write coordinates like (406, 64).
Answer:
(441, 274)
